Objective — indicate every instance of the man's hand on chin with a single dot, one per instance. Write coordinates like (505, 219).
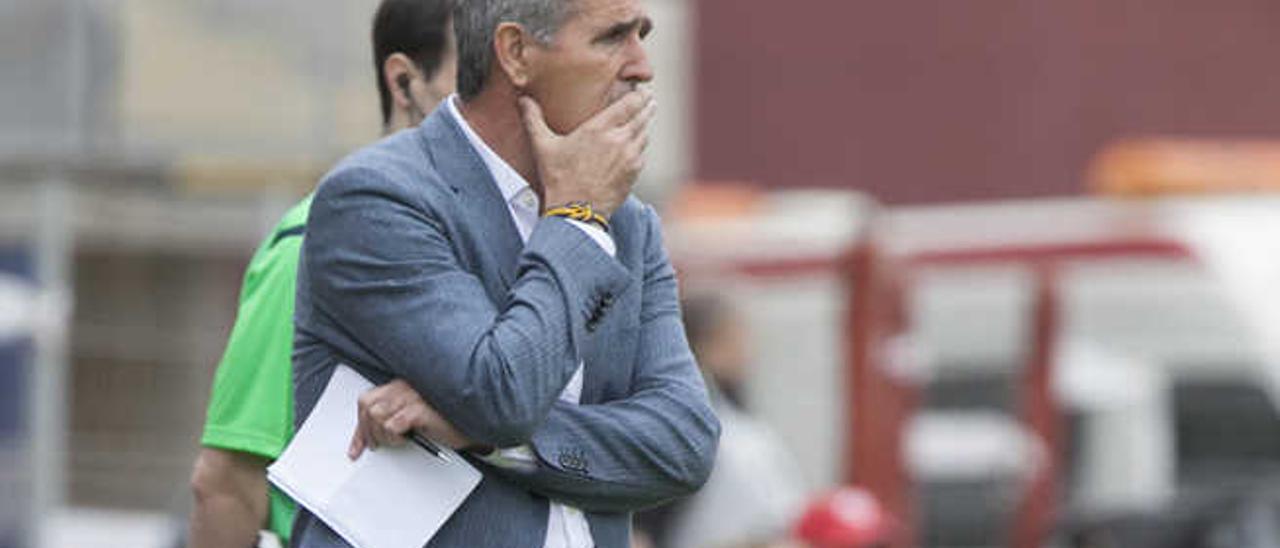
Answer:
(598, 162)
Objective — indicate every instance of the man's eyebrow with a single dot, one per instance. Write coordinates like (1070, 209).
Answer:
(619, 30)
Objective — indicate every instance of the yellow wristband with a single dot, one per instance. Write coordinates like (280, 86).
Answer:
(578, 211)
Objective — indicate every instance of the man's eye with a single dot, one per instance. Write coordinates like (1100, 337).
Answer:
(620, 33)
(617, 35)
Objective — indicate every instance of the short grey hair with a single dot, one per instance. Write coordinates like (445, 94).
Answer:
(476, 21)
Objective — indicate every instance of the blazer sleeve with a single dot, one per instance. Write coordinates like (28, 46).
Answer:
(658, 443)
(383, 271)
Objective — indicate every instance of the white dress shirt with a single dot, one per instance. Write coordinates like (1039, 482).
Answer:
(566, 526)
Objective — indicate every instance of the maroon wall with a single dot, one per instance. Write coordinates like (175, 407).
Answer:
(926, 101)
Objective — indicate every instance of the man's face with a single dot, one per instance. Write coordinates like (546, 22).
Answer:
(594, 59)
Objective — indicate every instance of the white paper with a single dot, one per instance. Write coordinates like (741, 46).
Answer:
(394, 497)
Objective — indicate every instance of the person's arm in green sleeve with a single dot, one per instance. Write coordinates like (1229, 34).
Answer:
(249, 417)
(230, 489)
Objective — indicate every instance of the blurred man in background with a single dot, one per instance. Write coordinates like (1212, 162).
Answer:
(250, 414)
(754, 491)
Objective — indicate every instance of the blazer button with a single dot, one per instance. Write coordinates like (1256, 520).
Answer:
(567, 461)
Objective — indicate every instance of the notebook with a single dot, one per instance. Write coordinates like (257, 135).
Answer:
(394, 497)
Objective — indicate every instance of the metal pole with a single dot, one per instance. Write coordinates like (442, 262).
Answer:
(1041, 415)
(49, 379)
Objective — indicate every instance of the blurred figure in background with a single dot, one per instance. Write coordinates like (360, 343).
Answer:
(754, 492)
(250, 414)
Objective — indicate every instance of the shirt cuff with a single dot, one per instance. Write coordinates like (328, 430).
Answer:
(520, 457)
(597, 235)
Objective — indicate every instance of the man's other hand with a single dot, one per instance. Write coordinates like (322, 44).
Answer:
(598, 162)
(388, 412)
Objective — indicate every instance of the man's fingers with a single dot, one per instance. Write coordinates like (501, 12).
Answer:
(635, 147)
(376, 435)
(639, 125)
(622, 110)
(383, 415)
(408, 418)
(378, 412)
(392, 440)
(357, 445)
(534, 123)
(359, 438)
(379, 433)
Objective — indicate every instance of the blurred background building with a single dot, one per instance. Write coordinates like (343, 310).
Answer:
(949, 223)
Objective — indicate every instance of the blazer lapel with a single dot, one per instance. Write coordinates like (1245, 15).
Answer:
(460, 166)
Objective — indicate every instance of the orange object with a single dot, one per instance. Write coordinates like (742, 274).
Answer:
(1161, 166)
(714, 200)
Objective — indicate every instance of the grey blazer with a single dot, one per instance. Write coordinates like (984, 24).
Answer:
(412, 267)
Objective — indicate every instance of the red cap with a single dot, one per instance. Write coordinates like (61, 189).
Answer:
(850, 517)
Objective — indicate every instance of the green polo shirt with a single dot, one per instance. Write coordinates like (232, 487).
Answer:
(251, 405)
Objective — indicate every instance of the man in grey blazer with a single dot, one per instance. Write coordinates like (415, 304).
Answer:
(493, 259)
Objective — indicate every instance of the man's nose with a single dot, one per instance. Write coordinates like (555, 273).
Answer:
(637, 69)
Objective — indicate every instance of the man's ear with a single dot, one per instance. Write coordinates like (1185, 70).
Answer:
(515, 50)
(397, 70)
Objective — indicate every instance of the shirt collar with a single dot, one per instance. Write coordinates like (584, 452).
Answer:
(510, 183)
